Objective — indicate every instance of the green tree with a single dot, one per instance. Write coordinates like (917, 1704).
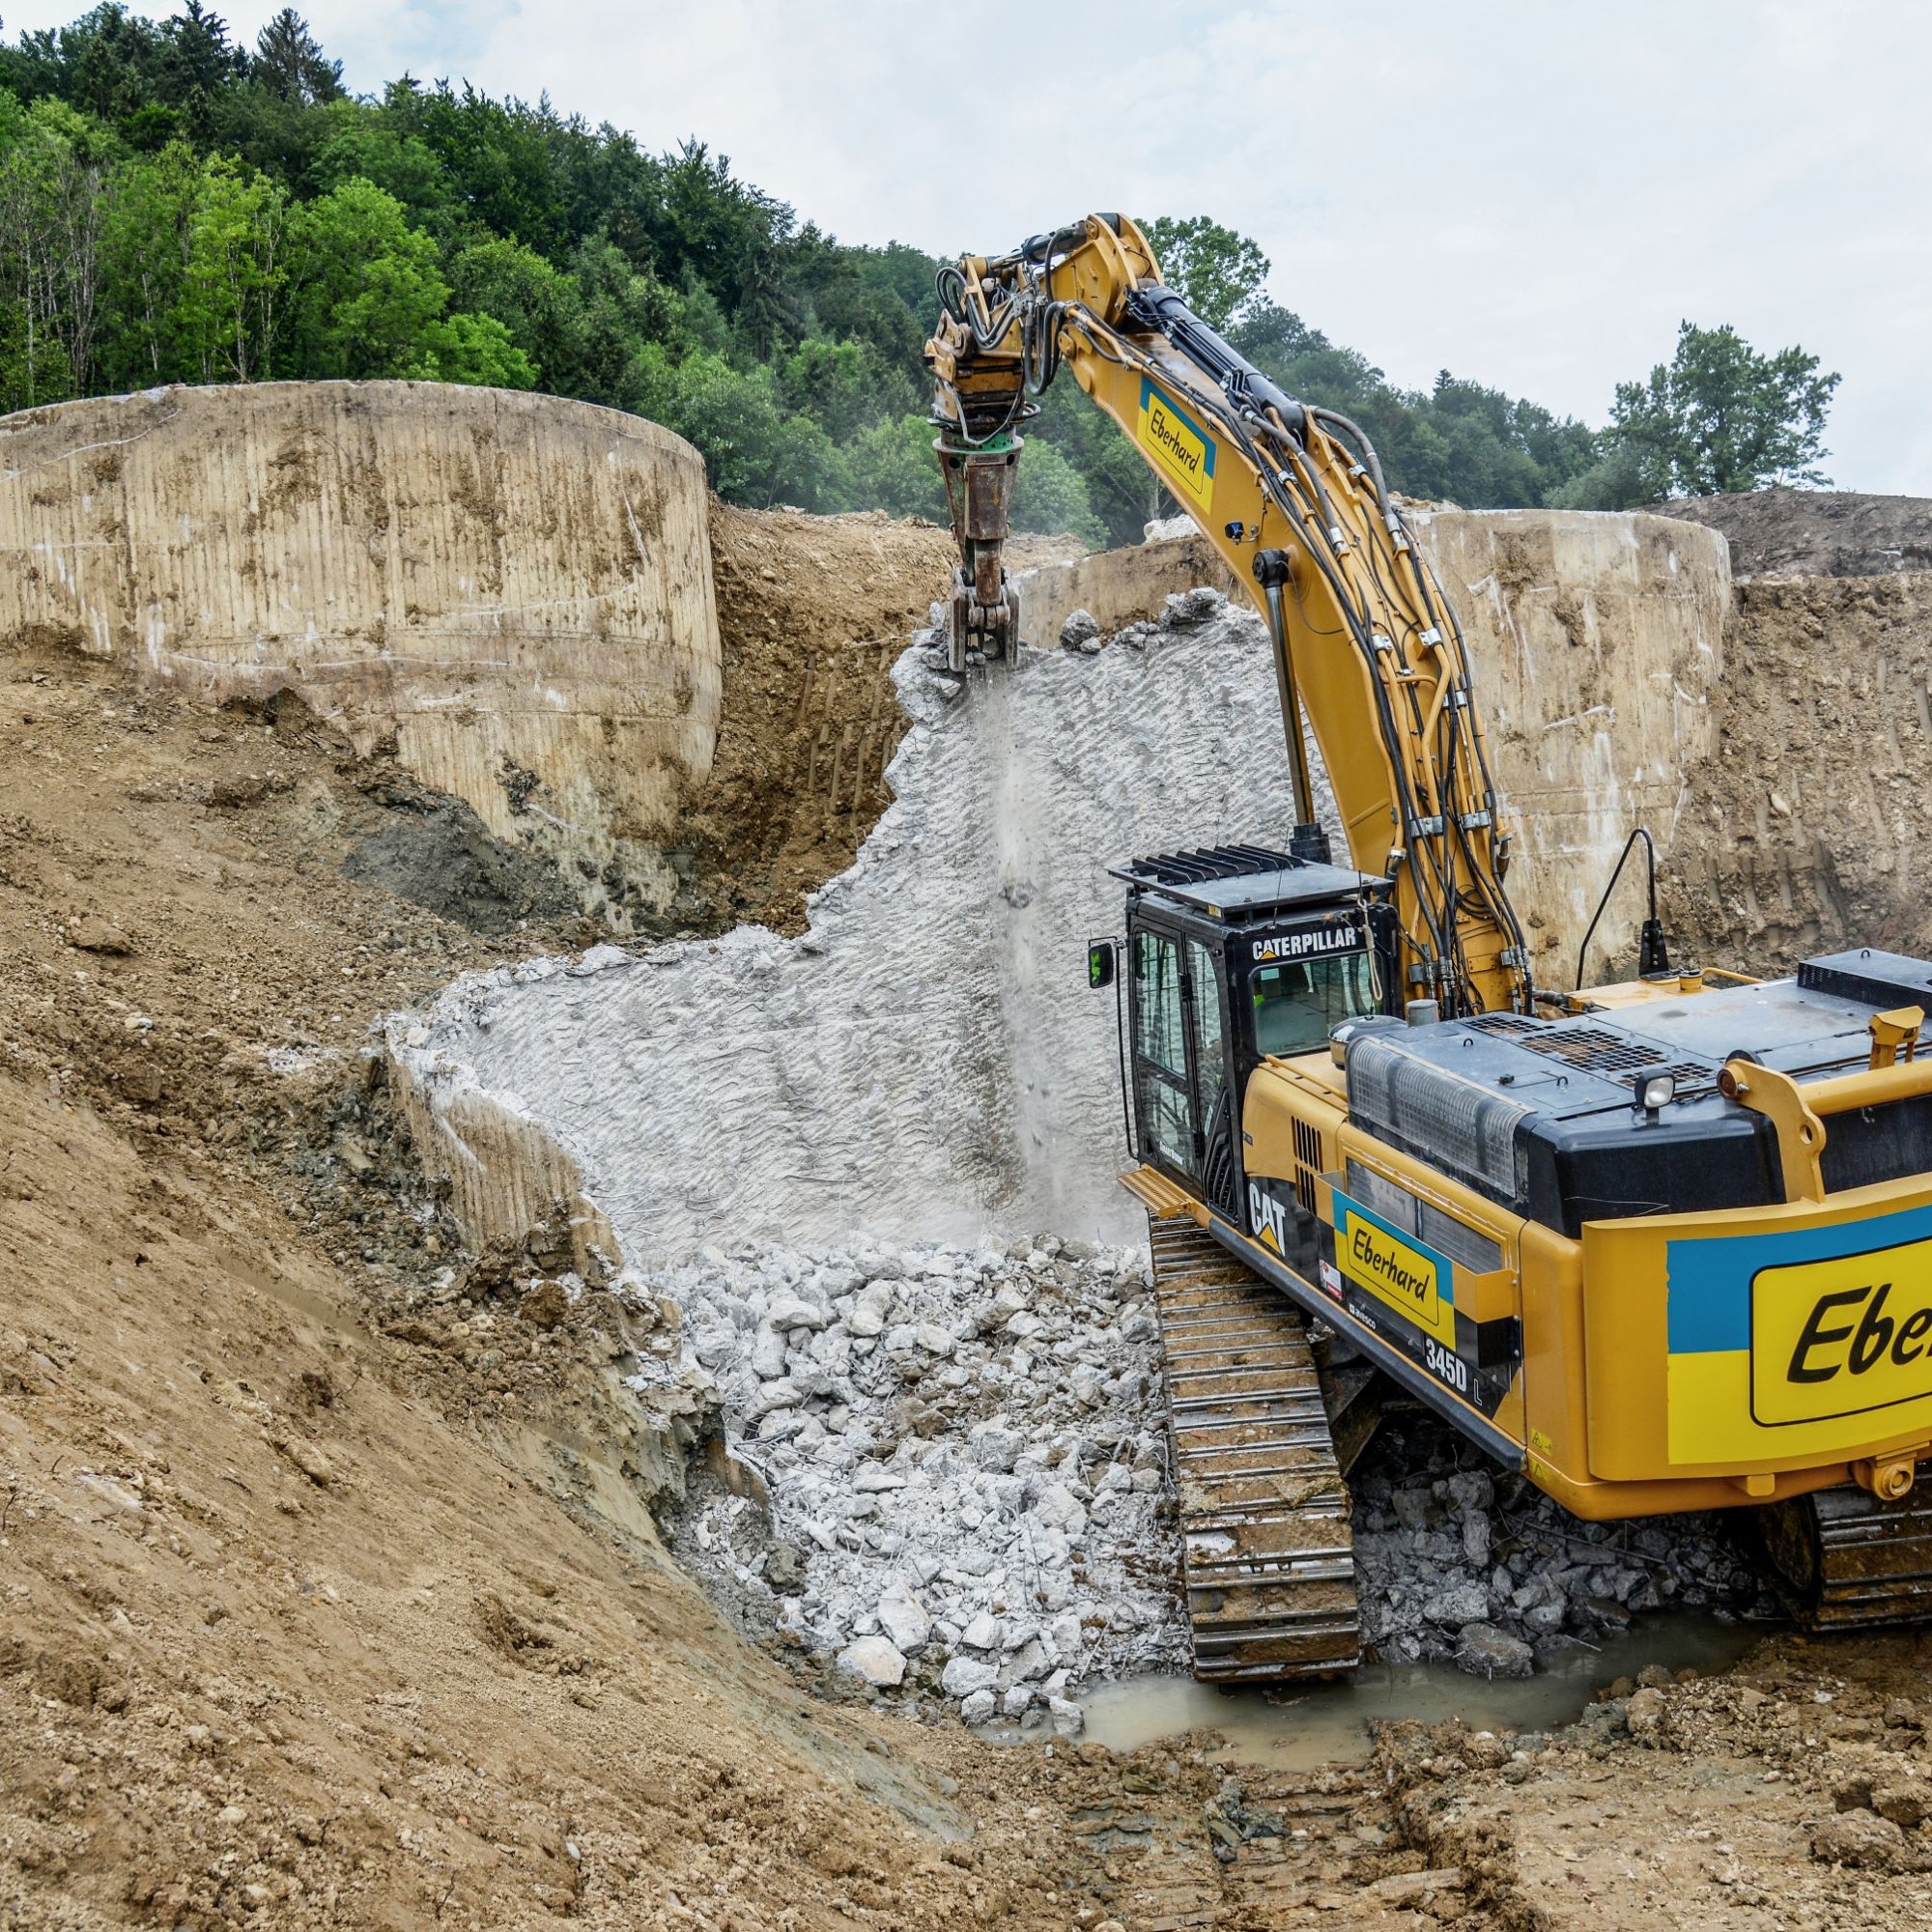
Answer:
(892, 467)
(355, 139)
(541, 307)
(754, 451)
(1050, 496)
(235, 270)
(49, 252)
(195, 253)
(1217, 272)
(365, 285)
(290, 63)
(1720, 417)
(472, 349)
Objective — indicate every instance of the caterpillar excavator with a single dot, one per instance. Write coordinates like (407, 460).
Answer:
(1660, 1245)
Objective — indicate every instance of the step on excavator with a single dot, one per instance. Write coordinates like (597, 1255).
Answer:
(1658, 1245)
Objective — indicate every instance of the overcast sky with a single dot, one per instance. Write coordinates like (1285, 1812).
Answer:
(1530, 196)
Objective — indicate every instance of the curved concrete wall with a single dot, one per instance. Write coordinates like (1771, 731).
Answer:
(516, 588)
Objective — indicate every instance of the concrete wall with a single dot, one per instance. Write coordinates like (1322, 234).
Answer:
(1595, 642)
(517, 589)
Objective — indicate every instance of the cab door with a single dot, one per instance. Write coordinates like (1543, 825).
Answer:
(1185, 1105)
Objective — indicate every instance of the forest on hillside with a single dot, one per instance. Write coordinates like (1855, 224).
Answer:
(179, 208)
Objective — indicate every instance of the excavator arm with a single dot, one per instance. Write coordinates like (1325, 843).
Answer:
(1292, 498)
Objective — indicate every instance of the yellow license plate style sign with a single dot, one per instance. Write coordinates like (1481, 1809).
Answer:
(1398, 1270)
(1841, 1337)
(1179, 444)
(1780, 1347)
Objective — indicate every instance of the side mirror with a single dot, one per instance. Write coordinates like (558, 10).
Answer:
(1099, 963)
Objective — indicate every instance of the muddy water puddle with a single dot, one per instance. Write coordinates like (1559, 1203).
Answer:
(1297, 1729)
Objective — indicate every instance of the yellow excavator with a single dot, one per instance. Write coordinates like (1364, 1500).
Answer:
(1660, 1245)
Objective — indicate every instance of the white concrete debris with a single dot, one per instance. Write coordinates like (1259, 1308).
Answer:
(976, 1520)
(927, 1062)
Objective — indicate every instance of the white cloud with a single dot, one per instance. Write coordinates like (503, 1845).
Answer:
(1529, 194)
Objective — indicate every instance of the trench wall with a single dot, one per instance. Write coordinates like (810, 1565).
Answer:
(514, 588)
(1809, 825)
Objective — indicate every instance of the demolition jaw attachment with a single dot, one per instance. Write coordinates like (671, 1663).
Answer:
(983, 622)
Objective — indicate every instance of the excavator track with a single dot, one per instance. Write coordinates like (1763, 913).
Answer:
(1268, 1555)
(1850, 1561)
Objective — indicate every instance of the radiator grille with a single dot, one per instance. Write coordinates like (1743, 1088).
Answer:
(1307, 1163)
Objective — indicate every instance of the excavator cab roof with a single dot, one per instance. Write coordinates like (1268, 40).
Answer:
(1244, 884)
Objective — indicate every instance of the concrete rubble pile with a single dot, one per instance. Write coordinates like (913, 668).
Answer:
(1457, 1562)
(963, 1457)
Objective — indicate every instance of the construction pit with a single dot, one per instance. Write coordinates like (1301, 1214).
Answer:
(571, 1348)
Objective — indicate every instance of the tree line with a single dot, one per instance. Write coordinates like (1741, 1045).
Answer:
(178, 208)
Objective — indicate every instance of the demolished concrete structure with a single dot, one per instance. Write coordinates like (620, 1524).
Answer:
(514, 589)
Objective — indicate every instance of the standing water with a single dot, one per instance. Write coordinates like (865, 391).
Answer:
(1298, 1729)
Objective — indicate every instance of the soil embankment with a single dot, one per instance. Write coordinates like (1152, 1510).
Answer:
(1816, 532)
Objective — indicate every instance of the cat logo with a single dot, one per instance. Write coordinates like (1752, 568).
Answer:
(1269, 1218)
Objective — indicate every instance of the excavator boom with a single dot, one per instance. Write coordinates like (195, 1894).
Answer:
(1292, 498)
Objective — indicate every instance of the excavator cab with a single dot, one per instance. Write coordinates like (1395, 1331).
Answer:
(1235, 954)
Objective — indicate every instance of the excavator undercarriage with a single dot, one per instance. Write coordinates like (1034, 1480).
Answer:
(1267, 1555)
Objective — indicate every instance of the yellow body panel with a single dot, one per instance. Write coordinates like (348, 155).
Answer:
(1614, 1409)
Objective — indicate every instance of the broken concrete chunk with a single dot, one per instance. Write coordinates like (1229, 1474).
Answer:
(1647, 1714)
(997, 1447)
(1080, 627)
(1484, 1651)
(874, 1659)
(982, 1632)
(1465, 1604)
(768, 1354)
(964, 1675)
(792, 1311)
(1068, 1718)
(785, 1568)
(904, 1620)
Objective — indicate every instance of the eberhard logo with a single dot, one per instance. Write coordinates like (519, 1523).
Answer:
(1399, 1273)
(1841, 1337)
(1183, 450)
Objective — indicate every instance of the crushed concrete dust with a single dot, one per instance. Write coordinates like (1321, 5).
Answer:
(927, 1062)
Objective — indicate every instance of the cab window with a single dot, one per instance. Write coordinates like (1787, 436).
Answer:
(1295, 1005)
